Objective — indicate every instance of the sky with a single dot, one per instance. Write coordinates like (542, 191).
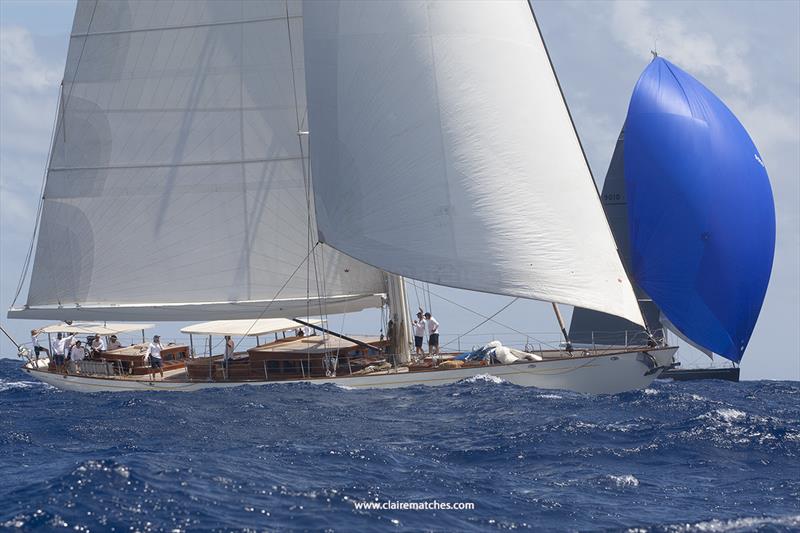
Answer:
(748, 53)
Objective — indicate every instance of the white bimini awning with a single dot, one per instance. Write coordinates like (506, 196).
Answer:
(250, 328)
(95, 328)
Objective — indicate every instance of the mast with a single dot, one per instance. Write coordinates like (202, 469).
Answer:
(400, 340)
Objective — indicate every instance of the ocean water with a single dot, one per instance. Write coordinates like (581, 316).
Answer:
(703, 456)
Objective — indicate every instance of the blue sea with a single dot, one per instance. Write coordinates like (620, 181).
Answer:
(701, 456)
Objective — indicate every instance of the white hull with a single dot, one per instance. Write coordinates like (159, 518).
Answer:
(602, 374)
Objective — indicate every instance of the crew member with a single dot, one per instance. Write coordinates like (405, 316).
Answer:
(419, 334)
(154, 354)
(76, 355)
(114, 344)
(59, 358)
(433, 334)
(35, 342)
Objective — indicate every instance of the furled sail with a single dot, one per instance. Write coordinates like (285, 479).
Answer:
(702, 217)
(176, 187)
(593, 327)
(442, 150)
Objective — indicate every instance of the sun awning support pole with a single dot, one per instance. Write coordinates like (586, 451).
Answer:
(191, 345)
(567, 342)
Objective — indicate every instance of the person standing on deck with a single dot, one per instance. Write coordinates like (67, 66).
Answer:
(433, 334)
(228, 357)
(419, 335)
(35, 343)
(59, 357)
(76, 355)
(69, 342)
(154, 354)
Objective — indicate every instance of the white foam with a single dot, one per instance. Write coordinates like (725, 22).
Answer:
(625, 480)
(488, 378)
(737, 524)
(11, 385)
(729, 415)
(651, 392)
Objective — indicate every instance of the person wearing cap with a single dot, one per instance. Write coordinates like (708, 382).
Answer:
(113, 343)
(419, 334)
(433, 334)
(76, 355)
(154, 354)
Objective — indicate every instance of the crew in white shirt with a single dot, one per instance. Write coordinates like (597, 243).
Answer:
(113, 343)
(97, 345)
(59, 357)
(69, 342)
(419, 334)
(433, 334)
(154, 354)
(35, 343)
(76, 354)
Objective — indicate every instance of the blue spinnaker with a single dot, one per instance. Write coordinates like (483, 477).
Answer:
(702, 217)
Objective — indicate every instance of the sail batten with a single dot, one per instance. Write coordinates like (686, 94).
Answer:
(177, 175)
(443, 151)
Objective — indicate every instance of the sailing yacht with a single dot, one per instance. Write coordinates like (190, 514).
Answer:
(247, 160)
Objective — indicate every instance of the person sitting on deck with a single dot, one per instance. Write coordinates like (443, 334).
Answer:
(76, 355)
(113, 343)
(58, 353)
(97, 346)
(419, 334)
(35, 342)
(433, 334)
(154, 354)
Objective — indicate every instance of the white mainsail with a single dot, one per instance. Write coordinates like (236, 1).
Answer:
(442, 150)
(176, 185)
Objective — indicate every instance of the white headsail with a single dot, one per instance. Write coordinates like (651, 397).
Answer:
(176, 187)
(442, 150)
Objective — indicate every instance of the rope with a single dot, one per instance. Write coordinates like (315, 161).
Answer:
(475, 312)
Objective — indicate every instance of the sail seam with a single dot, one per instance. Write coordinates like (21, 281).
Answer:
(180, 27)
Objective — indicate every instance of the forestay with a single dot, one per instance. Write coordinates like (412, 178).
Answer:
(176, 185)
(442, 150)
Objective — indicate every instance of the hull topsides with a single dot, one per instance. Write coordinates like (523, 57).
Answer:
(598, 374)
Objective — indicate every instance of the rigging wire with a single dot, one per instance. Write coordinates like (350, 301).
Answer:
(484, 322)
(40, 207)
(60, 109)
(269, 304)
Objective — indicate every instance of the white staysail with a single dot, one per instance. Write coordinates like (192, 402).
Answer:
(442, 150)
(176, 188)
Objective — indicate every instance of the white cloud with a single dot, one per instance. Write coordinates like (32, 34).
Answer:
(638, 30)
(22, 69)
